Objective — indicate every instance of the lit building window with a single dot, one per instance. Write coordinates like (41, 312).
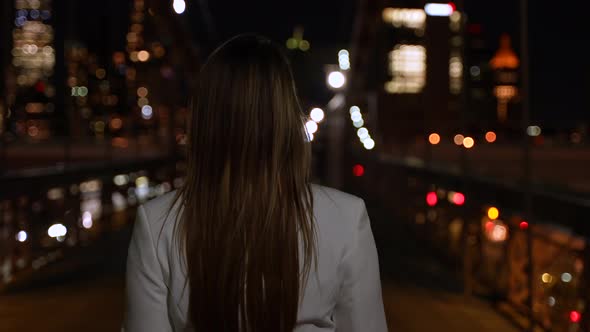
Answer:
(410, 18)
(505, 91)
(407, 66)
(33, 53)
(455, 21)
(455, 73)
(505, 63)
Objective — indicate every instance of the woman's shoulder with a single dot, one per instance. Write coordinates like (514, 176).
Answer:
(159, 209)
(337, 203)
(329, 203)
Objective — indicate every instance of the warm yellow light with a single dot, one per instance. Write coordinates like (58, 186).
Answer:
(407, 67)
(133, 56)
(434, 138)
(493, 213)
(505, 91)
(116, 123)
(405, 17)
(546, 278)
(468, 142)
(143, 56)
(304, 45)
(292, 43)
(490, 137)
(458, 139)
(100, 73)
(142, 91)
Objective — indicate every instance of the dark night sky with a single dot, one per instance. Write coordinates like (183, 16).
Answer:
(324, 20)
(560, 71)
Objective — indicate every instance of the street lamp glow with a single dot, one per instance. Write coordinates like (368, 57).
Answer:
(439, 9)
(358, 123)
(57, 230)
(179, 6)
(21, 236)
(369, 144)
(362, 132)
(354, 109)
(87, 220)
(343, 60)
(336, 79)
(458, 139)
(146, 112)
(317, 114)
(533, 131)
(311, 126)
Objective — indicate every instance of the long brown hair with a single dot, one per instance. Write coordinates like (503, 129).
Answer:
(246, 203)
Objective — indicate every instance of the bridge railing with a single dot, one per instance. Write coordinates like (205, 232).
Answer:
(476, 225)
(51, 215)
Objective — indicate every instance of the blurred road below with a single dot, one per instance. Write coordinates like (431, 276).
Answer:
(420, 294)
(92, 304)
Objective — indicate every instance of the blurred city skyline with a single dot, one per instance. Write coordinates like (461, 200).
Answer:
(557, 67)
(418, 107)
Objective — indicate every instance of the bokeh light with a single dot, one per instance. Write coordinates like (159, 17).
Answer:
(336, 79)
(434, 138)
(143, 56)
(21, 236)
(358, 170)
(468, 142)
(431, 198)
(493, 213)
(179, 6)
(317, 114)
(490, 137)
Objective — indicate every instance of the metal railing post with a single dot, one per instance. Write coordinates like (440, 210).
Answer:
(525, 118)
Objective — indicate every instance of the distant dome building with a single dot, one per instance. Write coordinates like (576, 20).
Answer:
(505, 64)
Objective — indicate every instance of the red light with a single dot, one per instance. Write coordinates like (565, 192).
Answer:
(452, 4)
(490, 226)
(459, 199)
(431, 198)
(474, 28)
(358, 170)
(40, 86)
(524, 225)
(575, 316)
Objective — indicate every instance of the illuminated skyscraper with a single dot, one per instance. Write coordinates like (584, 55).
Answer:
(418, 77)
(505, 64)
(29, 91)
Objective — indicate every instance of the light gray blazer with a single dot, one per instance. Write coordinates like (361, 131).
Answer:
(343, 294)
